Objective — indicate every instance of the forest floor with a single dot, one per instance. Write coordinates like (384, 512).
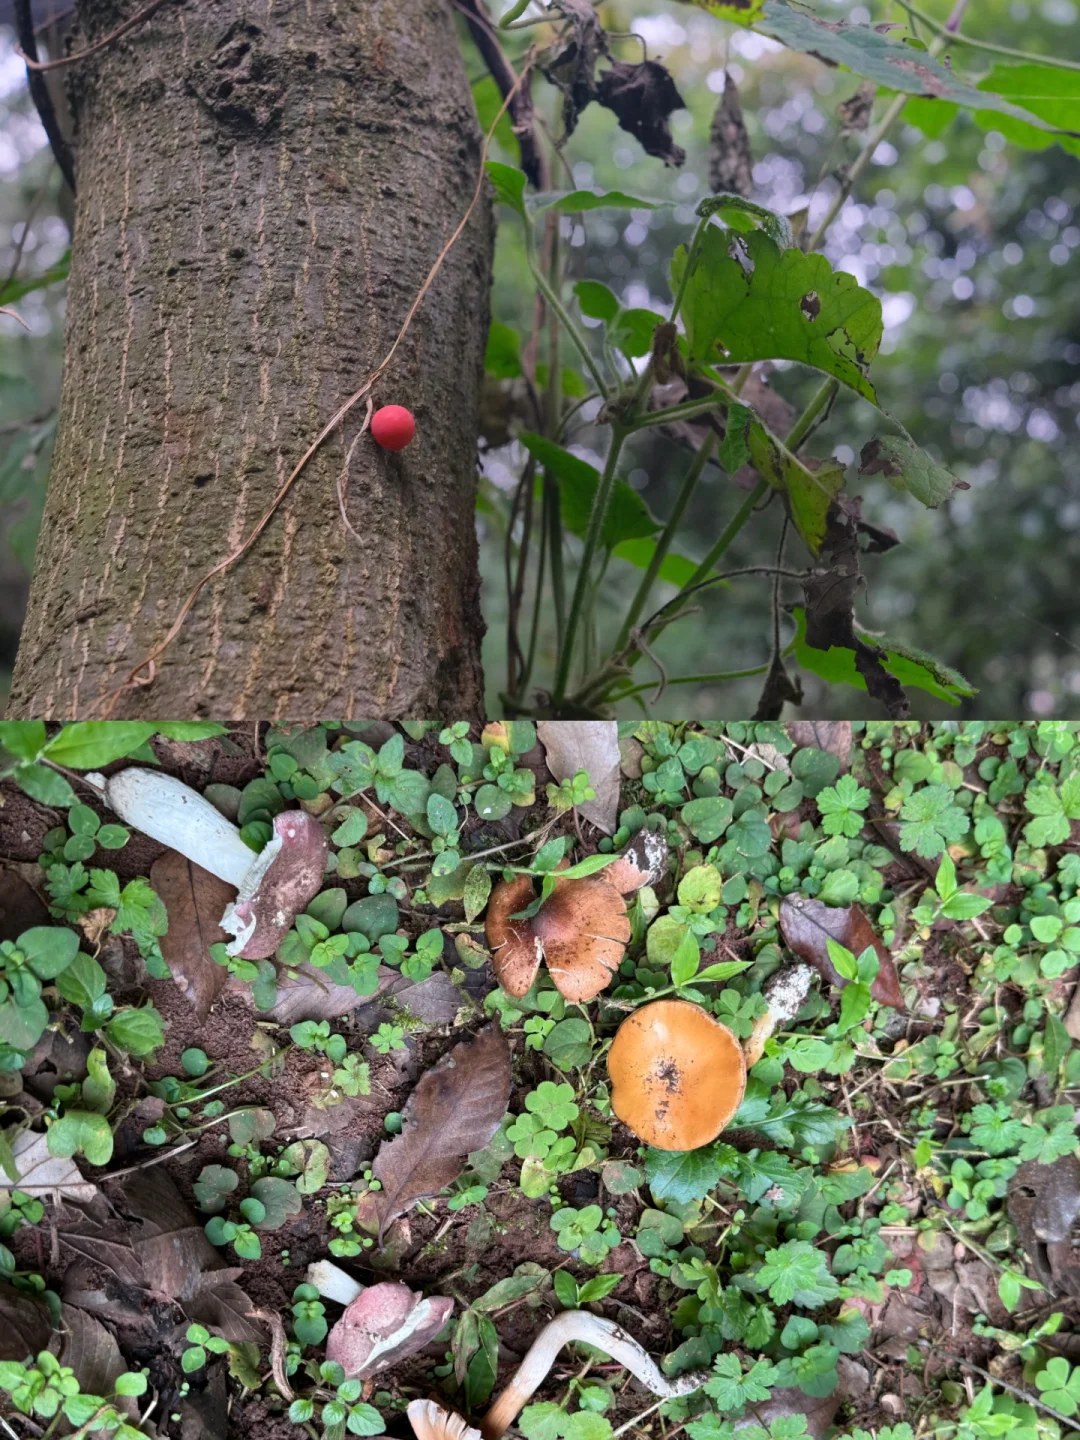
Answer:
(883, 1237)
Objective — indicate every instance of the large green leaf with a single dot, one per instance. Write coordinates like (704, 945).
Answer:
(886, 61)
(572, 202)
(86, 744)
(910, 667)
(674, 569)
(628, 517)
(791, 306)
(1045, 91)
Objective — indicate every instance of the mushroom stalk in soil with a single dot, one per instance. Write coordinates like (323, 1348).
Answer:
(273, 886)
(605, 1335)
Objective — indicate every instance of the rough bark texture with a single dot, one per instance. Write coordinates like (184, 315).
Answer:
(262, 187)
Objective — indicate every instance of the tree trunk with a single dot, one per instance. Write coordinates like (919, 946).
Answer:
(262, 187)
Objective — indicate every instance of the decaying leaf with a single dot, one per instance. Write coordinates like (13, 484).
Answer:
(178, 1262)
(730, 161)
(832, 736)
(830, 594)
(855, 112)
(195, 901)
(1044, 1202)
(818, 1413)
(907, 467)
(24, 1324)
(43, 1175)
(455, 1109)
(593, 746)
(643, 96)
(572, 70)
(807, 925)
(308, 993)
(21, 907)
(778, 690)
(91, 1351)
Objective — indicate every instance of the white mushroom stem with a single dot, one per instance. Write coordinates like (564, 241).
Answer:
(785, 995)
(171, 812)
(332, 1283)
(605, 1335)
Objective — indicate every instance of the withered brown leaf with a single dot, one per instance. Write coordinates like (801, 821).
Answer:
(730, 161)
(832, 736)
(807, 925)
(455, 1109)
(195, 901)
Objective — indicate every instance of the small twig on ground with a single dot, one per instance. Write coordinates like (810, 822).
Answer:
(278, 1345)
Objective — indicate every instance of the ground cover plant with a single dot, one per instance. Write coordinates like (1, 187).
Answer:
(431, 1152)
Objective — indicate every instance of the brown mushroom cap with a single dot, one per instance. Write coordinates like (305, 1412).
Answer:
(677, 1075)
(515, 952)
(584, 931)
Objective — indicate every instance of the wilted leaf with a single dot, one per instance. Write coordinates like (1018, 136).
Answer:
(832, 736)
(643, 96)
(195, 901)
(592, 746)
(24, 1324)
(1044, 1201)
(730, 161)
(92, 1352)
(456, 1108)
(43, 1174)
(907, 467)
(177, 1260)
(308, 993)
(807, 925)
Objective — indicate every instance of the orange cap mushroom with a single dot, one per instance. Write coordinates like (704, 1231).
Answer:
(677, 1075)
(581, 931)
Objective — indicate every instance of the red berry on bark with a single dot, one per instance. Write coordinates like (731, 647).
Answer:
(393, 427)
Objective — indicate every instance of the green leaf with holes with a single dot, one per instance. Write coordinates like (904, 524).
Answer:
(906, 467)
(787, 306)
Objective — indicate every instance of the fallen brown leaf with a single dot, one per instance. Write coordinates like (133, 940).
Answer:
(591, 745)
(44, 1175)
(455, 1109)
(195, 901)
(807, 925)
(1043, 1202)
(85, 1346)
(833, 736)
(308, 994)
(24, 1324)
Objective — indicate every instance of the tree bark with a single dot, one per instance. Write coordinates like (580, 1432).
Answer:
(262, 187)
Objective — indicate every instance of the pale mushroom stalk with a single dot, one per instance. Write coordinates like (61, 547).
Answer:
(785, 995)
(605, 1335)
(332, 1282)
(273, 886)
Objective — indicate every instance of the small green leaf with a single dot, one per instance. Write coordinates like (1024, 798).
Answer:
(81, 1132)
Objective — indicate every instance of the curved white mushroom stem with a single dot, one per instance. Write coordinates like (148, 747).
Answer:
(332, 1282)
(594, 1330)
(171, 812)
(785, 995)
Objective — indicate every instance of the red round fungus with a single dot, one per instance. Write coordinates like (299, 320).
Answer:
(393, 427)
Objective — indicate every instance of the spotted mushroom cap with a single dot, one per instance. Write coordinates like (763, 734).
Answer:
(282, 880)
(584, 931)
(677, 1075)
(515, 951)
(383, 1325)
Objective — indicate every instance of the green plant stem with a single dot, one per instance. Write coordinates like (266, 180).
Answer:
(552, 519)
(534, 629)
(716, 679)
(564, 319)
(816, 407)
(663, 545)
(685, 410)
(601, 503)
(866, 154)
(955, 37)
